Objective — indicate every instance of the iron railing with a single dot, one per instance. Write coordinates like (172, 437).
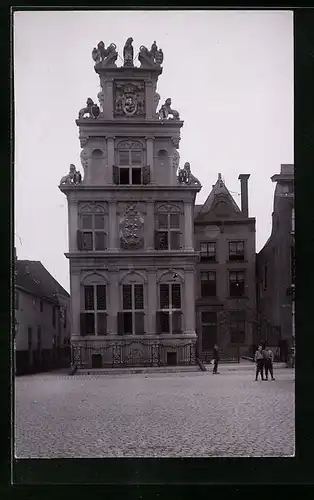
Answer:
(132, 353)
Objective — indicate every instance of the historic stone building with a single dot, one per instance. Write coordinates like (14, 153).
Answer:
(131, 248)
(225, 274)
(275, 270)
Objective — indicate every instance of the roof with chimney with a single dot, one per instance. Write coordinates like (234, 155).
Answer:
(218, 205)
(33, 277)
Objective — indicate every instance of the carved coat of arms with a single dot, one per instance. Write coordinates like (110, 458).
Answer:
(129, 99)
(131, 229)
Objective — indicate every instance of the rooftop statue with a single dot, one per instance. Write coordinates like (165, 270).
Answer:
(91, 109)
(185, 176)
(128, 53)
(166, 110)
(106, 56)
(73, 177)
(152, 57)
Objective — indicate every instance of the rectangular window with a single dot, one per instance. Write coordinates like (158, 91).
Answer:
(92, 235)
(208, 284)
(101, 297)
(94, 317)
(164, 296)
(208, 250)
(136, 157)
(236, 250)
(124, 158)
(168, 234)
(237, 327)
(209, 330)
(17, 300)
(236, 283)
(133, 309)
(176, 296)
(87, 240)
(89, 297)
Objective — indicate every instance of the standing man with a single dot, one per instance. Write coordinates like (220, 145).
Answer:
(216, 358)
(259, 360)
(268, 360)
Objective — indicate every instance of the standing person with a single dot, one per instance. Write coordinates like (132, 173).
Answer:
(268, 360)
(259, 360)
(216, 358)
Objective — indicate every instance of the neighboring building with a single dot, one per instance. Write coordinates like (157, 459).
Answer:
(226, 290)
(131, 252)
(275, 270)
(42, 319)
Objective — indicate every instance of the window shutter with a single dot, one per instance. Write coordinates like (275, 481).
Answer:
(176, 322)
(101, 323)
(158, 322)
(139, 323)
(120, 323)
(146, 174)
(115, 174)
(79, 240)
(82, 324)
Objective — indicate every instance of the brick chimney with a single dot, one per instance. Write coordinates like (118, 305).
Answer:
(244, 193)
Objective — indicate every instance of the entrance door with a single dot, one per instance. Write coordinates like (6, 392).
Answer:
(171, 358)
(96, 361)
(209, 330)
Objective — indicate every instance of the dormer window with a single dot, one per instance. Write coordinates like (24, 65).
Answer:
(130, 169)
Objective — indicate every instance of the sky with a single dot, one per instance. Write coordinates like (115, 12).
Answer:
(228, 73)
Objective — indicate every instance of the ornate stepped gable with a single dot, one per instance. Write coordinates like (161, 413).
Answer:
(219, 204)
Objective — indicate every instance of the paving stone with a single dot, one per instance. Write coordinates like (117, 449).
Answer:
(154, 415)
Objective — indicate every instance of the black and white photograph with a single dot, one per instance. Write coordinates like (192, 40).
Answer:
(154, 261)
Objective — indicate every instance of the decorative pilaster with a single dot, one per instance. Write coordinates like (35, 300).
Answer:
(188, 226)
(110, 150)
(113, 305)
(150, 155)
(113, 232)
(108, 102)
(149, 97)
(150, 225)
(73, 224)
(189, 302)
(152, 302)
(75, 304)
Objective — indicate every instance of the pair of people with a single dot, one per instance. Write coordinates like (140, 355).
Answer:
(264, 361)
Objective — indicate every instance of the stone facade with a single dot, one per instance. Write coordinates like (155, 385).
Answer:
(275, 270)
(131, 251)
(225, 284)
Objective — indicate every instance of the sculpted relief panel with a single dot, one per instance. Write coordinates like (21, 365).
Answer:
(129, 98)
(131, 229)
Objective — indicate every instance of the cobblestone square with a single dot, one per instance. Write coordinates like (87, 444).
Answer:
(154, 415)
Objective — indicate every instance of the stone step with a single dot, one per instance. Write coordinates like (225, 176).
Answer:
(134, 370)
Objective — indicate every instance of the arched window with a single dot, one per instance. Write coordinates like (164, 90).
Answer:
(130, 167)
(131, 317)
(94, 305)
(168, 228)
(92, 233)
(169, 315)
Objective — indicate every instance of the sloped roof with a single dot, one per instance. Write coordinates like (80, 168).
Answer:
(34, 277)
(221, 192)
